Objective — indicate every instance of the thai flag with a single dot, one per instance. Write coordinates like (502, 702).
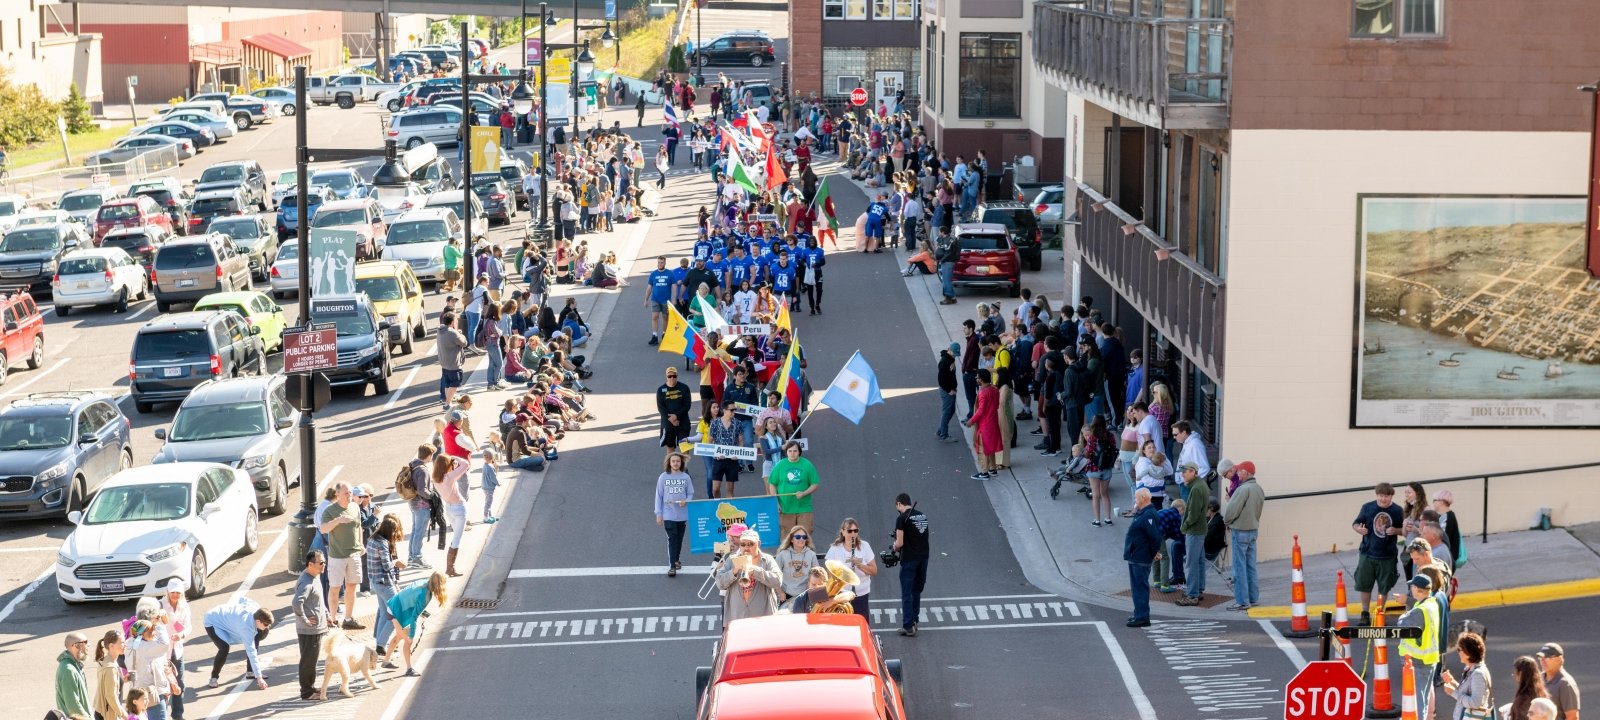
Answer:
(669, 114)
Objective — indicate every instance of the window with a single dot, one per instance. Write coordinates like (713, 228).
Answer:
(855, 10)
(882, 9)
(930, 75)
(905, 9)
(1417, 18)
(991, 75)
(847, 83)
(833, 9)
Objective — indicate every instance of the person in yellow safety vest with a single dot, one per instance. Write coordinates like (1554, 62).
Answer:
(1423, 651)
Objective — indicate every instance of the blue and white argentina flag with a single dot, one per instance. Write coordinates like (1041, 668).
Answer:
(853, 389)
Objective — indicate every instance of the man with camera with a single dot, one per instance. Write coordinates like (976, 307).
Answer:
(911, 546)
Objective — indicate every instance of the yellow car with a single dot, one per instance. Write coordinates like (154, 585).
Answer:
(397, 296)
(257, 309)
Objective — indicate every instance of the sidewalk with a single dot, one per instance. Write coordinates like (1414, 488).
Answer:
(1061, 552)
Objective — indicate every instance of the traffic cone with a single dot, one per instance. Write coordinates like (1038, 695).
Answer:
(1382, 697)
(1299, 624)
(1408, 691)
(1341, 619)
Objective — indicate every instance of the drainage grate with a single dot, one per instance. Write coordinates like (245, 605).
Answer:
(478, 604)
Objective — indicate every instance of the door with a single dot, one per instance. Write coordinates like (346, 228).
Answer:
(215, 520)
(888, 83)
(289, 439)
(91, 454)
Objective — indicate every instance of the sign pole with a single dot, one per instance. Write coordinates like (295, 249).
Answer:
(1593, 226)
(1327, 636)
(303, 527)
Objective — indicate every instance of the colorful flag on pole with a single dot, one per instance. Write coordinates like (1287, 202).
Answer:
(822, 202)
(669, 114)
(753, 121)
(853, 390)
(782, 320)
(741, 174)
(707, 306)
(789, 382)
(775, 176)
(680, 338)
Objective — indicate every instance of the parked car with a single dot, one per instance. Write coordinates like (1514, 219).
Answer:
(246, 175)
(255, 238)
(174, 203)
(258, 311)
(434, 174)
(1022, 226)
(497, 200)
(363, 216)
(191, 268)
(1047, 207)
(21, 334)
(284, 185)
(418, 238)
(173, 354)
(363, 340)
(243, 422)
(452, 200)
(814, 665)
(82, 205)
(57, 449)
(395, 200)
(28, 255)
(222, 126)
(245, 110)
(397, 297)
(289, 212)
(285, 274)
(736, 48)
(344, 183)
(283, 96)
(760, 93)
(513, 171)
(347, 90)
(137, 211)
(154, 523)
(140, 243)
(11, 207)
(87, 277)
(131, 147)
(211, 204)
(442, 59)
(215, 107)
(34, 218)
(987, 258)
(201, 137)
(437, 125)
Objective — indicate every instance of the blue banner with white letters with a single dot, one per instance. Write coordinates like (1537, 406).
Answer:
(709, 520)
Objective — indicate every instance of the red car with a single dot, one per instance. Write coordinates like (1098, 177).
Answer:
(988, 259)
(137, 211)
(800, 667)
(21, 335)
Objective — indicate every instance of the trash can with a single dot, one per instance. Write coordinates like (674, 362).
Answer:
(525, 134)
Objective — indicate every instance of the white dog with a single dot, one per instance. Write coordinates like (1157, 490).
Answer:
(346, 656)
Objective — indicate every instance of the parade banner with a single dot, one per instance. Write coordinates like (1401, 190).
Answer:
(709, 521)
(736, 330)
(740, 408)
(765, 217)
(734, 452)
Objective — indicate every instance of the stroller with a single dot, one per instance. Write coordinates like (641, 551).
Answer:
(1070, 471)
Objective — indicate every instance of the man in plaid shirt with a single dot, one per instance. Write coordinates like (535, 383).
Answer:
(1169, 520)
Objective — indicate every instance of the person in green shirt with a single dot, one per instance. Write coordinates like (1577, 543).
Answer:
(452, 265)
(72, 691)
(793, 480)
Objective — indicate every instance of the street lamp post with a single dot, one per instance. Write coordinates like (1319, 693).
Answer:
(303, 527)
(699, 48)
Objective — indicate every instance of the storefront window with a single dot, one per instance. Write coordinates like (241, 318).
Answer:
(991, 75)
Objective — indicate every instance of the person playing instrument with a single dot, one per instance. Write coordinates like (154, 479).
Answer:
(828, 590)
(751, 580)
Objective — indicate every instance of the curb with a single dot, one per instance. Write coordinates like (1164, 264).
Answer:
(493, 565)
(1500, 597)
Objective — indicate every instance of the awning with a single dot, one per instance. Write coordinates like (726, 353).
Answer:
(278, 45)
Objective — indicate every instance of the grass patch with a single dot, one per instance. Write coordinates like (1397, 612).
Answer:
(80, 145)
(644, 48)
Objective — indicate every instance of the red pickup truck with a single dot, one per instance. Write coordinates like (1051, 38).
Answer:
(800, 667)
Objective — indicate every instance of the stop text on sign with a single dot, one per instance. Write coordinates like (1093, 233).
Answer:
(1322, 702)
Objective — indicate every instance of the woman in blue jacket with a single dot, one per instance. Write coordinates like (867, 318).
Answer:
(408, 607)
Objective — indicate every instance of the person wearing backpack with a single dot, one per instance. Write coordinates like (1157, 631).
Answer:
(1100, 448)
(409, 484)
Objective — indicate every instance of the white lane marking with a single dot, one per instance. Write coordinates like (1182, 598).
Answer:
(41, 548)
(1129, 677)
(36, 377)
(1283, 644)
(261, 562)
(148, 306)
(394, 397)
(11, 607)
(585, 571)
(397, 701)
(895, 602)
(417, 357)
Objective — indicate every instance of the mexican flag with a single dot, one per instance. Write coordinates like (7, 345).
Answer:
(741, 175)
(823, 203)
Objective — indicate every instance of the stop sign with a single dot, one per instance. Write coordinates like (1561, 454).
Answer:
(858, 97)
(1325, 690)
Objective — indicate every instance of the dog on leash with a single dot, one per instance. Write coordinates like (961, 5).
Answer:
(346, 656)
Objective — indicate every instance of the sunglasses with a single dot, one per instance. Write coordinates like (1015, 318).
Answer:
(853, 530)
(747, 544)
(802, 537)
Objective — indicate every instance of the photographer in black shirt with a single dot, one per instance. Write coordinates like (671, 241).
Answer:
(911, 542)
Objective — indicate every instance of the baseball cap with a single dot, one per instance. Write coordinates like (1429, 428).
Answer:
(457, 415)
(176, 585)
(358, 491)
(1421, 581)
(1188, 466)
(1550, 650)
(1246, 466)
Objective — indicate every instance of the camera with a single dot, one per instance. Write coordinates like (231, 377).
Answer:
(889, 558)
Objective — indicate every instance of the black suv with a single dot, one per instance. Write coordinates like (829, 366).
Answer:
(363, 339)
(737, 48)
(55, 451)
(1023, 227)
(174, 353)
(28, 254)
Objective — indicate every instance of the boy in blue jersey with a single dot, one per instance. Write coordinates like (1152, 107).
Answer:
(738, 268)
(718, 268)
(877, 214)
(662, 288)
(680, 294)
(784, 284)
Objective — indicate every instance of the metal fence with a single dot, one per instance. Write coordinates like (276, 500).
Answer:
(46, 187)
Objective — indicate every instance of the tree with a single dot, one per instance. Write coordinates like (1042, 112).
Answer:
(76, 112)
(676, 62)
(26, 115)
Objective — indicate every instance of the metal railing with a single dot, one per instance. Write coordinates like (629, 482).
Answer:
(1139, 59)
(48, 185)
(1484, 477)
(1172, 291)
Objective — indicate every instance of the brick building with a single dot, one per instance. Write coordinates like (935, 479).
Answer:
(40, 45)
(836, 46)
(1350, 235)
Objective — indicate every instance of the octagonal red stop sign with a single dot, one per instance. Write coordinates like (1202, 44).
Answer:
(1325, 690)
(858, 97)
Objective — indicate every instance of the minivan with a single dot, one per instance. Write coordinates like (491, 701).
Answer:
(438, 125)
(188, 269)
(174, 353)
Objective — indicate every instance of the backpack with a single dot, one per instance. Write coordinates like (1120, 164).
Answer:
(405, 483)
(1107, 452)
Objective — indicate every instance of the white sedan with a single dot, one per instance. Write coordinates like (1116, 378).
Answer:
(98, 276)
(148, 525)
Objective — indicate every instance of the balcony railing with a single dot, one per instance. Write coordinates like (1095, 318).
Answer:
(1171, 73)
(1180, 297)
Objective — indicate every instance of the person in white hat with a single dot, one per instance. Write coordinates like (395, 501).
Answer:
(178, 621)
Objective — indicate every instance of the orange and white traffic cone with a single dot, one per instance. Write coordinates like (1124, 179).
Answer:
(1382, 695)
(1299, 623)
(1341, 619)
(1408, 691)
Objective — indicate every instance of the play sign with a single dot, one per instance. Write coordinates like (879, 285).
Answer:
(1325, 690)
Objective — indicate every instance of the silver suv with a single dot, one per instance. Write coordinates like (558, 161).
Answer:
(245, 423)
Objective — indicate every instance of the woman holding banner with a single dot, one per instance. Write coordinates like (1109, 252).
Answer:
(725, 430)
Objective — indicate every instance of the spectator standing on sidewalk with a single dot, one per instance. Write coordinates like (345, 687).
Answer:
(383, 571)
(947, 390)
(1379, 523)
(1428, 614)
(341, 520)
(1558, 682)
(911, 541)
(452, 349)
(419, 502)
(1472, 690)
(72, 690)
(311, 620)
(1141, 547)
(1242, 515)
(1194, 534)
(971, 355)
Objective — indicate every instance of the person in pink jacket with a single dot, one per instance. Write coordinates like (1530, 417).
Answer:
(448, 470)
(985, 424)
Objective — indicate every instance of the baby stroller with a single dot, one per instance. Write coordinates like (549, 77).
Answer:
(1070, 471)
